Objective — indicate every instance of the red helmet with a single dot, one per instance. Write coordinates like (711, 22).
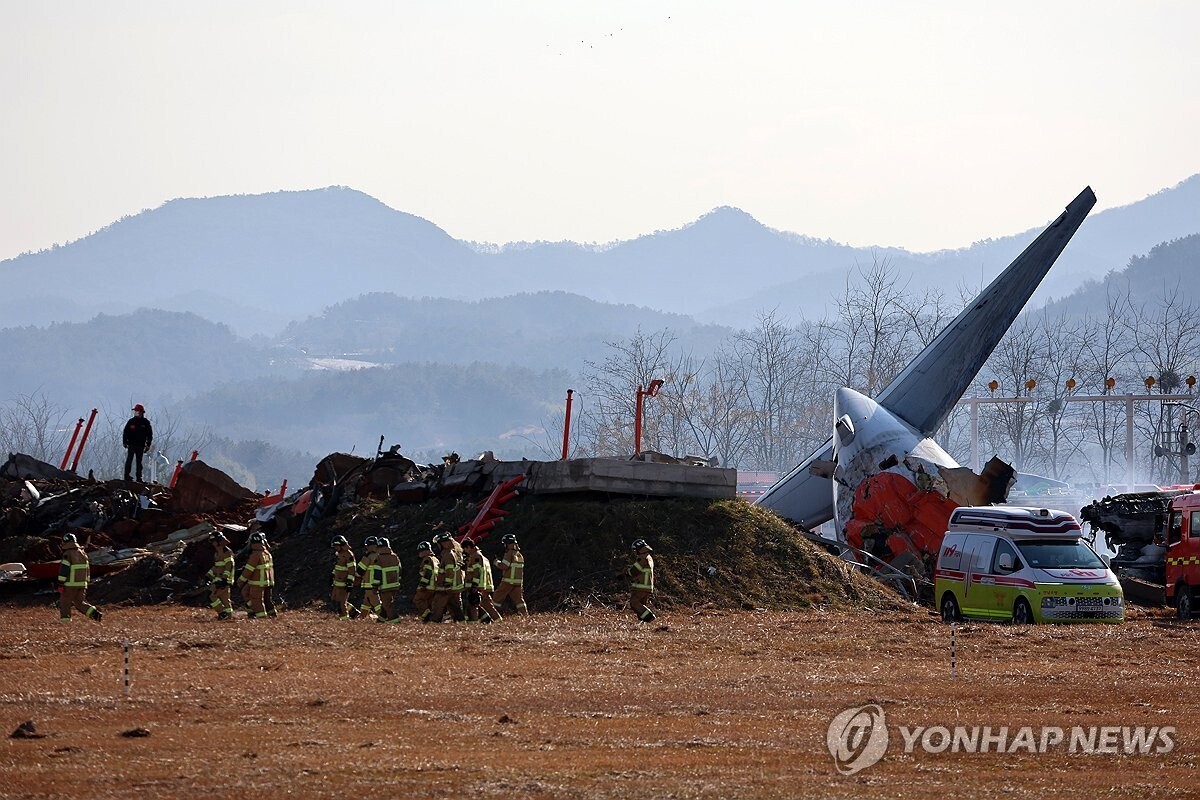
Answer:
(140, 407)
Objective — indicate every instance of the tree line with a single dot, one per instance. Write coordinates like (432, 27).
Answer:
(763, 399)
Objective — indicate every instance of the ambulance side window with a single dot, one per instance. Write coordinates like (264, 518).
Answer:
(981, 554)
(1175, 528)
(1001, 548)
(1194, 525)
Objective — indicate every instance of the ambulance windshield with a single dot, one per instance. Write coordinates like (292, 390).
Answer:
(1057, 554)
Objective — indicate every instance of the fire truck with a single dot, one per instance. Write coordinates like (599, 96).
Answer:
(1182, 567)
(1156, 538)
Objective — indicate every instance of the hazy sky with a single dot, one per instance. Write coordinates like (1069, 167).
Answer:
(919, 124)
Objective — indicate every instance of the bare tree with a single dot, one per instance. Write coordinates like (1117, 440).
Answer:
(32, 424)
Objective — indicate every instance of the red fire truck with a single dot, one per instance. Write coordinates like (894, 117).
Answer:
(1183, 554)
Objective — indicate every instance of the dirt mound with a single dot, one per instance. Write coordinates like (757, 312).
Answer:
(724, 553)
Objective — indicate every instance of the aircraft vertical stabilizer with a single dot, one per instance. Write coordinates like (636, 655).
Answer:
(923, 394)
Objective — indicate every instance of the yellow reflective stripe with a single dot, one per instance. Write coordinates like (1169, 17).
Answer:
(74, 579)
(647, 577)
(390, 577)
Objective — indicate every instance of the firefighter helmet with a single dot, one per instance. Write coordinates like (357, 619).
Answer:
(508, 538)
(470, 543)
(441, 537)
(339, 541)
(424, 547)
(370, 541)
(384, 542)
(217, 536)
(639, 544)
(70, 538)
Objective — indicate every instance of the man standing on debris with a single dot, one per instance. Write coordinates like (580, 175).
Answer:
(450, 580)
(344, 567)
(388, 565)
(479, 585)
(257, 575)
(368, 578)
(641, 571)
(137, 438)
(512, 575)
(221, 576)
(73, 575)
(426, 581)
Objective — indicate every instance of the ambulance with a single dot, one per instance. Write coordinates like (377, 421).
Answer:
(1025, 565)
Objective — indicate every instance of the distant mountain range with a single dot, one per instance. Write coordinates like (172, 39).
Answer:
(257, 262)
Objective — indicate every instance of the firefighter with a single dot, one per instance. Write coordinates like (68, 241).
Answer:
(221, 576)
(74, 571)
(427, 579)
(641, 571)
(269, 589)
(344, 566)
(479, 585)
(368, 579)
(450, 580)
(387, 564)
(512, 575)
(257, 575)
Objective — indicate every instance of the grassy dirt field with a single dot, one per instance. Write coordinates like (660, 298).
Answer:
(698, 704)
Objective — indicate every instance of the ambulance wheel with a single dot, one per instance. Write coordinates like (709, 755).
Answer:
(1184, 603)
(950, 612)
(1022, 613)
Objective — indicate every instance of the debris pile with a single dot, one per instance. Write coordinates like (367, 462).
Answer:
(149, 544)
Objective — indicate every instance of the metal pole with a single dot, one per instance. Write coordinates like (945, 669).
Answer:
(1129, 443)
(567, 424)
(86, 432)
(71, 444)
(637, 423)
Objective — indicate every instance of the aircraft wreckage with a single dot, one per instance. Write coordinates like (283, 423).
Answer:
(887, 485)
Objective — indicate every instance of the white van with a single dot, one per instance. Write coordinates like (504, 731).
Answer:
(1027, 565)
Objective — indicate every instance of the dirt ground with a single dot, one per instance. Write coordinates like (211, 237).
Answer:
(699, 704)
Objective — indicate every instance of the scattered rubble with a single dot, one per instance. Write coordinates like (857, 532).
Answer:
(26, 730)
(149, 543)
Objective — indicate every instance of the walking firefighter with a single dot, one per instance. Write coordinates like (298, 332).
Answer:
(220, 577)
(427, 580)
(479, 585)
(512, 575)
(74, 572)
(641, 572)
(344, 570)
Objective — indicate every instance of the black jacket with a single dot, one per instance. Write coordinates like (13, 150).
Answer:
(138, 433)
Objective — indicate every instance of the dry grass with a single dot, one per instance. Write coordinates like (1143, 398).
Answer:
(708, 704)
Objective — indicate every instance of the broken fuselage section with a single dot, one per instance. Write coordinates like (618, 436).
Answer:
(894, 489)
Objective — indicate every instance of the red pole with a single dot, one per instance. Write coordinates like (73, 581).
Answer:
(283, 489)
(566, 424)
(71, 445)
(195, 454)
(637, 423)
(175, 474)
(83, 441)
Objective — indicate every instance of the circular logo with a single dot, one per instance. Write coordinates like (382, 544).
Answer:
(857, 738)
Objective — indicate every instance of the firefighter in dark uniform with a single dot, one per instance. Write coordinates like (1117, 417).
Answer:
(368, 577)
(221, 576)
(388, 565)
(450, 580)
(137, 438)
(344, 569)
(257, 575)
(511, 566)
(641, 573)
(479, 585)
(74, 572)
(427, 580)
